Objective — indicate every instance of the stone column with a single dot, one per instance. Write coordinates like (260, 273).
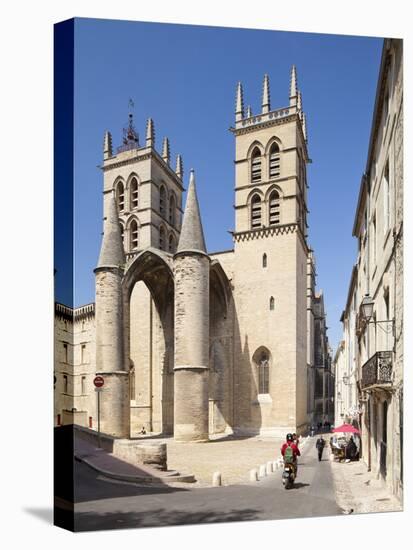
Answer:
(114, 398)
(191, 370)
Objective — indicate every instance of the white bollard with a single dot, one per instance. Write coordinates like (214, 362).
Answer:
(253, 474)
(216, 479)
(263, 471)
(274, 466)
(269, 468)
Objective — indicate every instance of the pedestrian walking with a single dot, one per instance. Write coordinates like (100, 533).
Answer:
(320, 447)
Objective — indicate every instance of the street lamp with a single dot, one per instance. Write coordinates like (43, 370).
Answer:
(366, 310)
(367, 306)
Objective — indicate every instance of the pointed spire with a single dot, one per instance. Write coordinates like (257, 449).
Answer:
(239, 108)
(192, 235)
(150, 133)
(107, 145)
(179, 170)
(304, 123)
(293, 87)
(266, 107)
(249, 111)
(111, 252)
(166, 155)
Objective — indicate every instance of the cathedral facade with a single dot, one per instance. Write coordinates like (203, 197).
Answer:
(191, 343)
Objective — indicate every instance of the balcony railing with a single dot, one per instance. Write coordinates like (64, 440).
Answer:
(378, 370)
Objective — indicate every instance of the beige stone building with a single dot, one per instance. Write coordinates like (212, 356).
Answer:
(193, 343)
(373, 318)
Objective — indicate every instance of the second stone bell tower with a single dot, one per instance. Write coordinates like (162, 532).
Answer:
(270, 246)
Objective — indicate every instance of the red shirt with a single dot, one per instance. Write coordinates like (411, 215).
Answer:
(296, 450)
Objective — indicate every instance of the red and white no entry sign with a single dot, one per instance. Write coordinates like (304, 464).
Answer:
(98, 381)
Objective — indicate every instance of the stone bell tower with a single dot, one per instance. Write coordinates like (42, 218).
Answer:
(191, 371)
(270, 262)
(148, 191)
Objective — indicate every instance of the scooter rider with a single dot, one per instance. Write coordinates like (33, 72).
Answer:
(290, 451)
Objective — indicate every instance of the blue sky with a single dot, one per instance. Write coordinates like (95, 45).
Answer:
(184, 77)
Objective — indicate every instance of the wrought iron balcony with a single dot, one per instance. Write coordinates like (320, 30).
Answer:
(378, 371)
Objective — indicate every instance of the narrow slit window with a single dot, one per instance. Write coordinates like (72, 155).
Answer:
(272, 303)
(264, 260)
(83, 385)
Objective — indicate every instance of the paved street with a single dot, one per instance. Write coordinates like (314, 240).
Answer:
(110, 504)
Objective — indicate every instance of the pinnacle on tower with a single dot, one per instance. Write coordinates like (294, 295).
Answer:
(179, 170)
(150, 133)
(111, 252)
(165, 150)
(266, 95)
(293, 87)
(239, 107)
(107, 145)
(192, 235)
(249, 111)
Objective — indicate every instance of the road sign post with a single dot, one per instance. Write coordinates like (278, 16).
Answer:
(98, 381)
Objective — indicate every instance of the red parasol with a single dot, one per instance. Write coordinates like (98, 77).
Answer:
(346, 428)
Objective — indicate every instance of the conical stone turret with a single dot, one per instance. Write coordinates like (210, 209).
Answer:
(191, 275)
(192, 234)
(111, 252)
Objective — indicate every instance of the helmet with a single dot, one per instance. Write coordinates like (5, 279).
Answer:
(289, 437)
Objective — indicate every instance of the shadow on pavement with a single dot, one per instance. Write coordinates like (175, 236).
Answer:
(156, 518)
(300, 485)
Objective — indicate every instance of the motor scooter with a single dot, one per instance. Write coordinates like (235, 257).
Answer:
(288, 475)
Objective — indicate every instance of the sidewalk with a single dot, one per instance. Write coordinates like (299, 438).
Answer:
(358, 490)
(110, 466)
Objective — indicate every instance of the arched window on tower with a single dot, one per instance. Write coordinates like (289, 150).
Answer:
(274, 161)
(256, 165)
(161, 238)
(171, 244)
(162, 199)
(134, 197)
(122, 233)
(172, 210)
(272, 303)
(264, 260)
(256, 211)
(134, 235)
(264, 374)
(274, 203)
(120, 196)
